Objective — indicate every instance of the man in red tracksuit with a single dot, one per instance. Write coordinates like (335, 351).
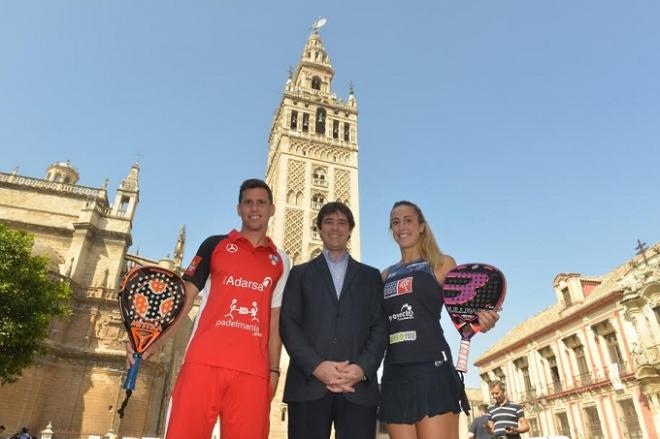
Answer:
(231, 366)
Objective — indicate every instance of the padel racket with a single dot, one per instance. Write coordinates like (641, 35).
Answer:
(468, 290)
(150, 298)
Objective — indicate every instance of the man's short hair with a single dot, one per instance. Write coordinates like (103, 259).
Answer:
(2, 428)
(483, 408)
(333, 207)
(498, 383)
(255, 183)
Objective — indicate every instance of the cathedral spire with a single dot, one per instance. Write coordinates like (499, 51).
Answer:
(179, 247)
(130, 183)
(127, 195)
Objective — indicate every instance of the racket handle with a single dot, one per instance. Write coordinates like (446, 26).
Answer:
(131, 377)
(463, 352)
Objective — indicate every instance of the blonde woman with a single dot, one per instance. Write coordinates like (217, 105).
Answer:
(422, 394)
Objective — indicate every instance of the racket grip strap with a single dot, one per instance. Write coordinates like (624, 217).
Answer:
(463, 352)
(131, 377)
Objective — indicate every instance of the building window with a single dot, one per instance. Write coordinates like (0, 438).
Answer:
(584, 378)
(305, 123)
(534, 427)
(593, 423)
(318, 201)
(347, 131)
(316, 82)
(566, 295)
(630, 419)
(554, 373)
(319, 178)
(335, 129)
(320, 121)
(123, 206)
(315, 231)
(499, 373)
(530, 392)
(563, 425)
(294, 120)
(614, 351)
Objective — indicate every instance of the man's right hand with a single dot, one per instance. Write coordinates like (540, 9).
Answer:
(145, 355)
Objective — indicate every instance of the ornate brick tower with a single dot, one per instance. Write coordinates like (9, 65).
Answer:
(313, 154)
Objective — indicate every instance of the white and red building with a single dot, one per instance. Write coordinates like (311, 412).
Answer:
(589, 365)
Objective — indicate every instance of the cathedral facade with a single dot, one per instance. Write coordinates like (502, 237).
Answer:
(77, 384)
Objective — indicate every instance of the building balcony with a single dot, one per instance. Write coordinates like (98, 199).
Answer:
(320, 182)
(528, 395)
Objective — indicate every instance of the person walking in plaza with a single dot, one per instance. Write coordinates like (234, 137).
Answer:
(421, 394)
(479, 427)
(506, 419)
(333, 328)
(231, 365)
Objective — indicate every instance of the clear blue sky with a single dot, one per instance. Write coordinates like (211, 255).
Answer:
(528, 131)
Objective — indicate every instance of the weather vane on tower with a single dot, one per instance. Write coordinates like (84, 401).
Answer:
(318, 24)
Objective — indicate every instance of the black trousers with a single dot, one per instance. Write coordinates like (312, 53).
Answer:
(313, 419)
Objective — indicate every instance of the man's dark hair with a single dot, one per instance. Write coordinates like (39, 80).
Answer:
(333, 207)
(483, 408)
(255, 183)
(498, 383)
(24, 430)
(2, 428)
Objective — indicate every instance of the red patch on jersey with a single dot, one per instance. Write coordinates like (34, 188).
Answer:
(190, 271)
(404, 286)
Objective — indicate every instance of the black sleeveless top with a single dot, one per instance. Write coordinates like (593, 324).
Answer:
(413, 300)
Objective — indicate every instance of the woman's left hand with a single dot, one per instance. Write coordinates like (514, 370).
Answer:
(487, 320)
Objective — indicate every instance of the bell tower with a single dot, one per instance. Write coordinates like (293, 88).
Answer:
(313, 154)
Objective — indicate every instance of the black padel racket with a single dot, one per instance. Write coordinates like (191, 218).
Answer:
(468, 290)
(150, 298)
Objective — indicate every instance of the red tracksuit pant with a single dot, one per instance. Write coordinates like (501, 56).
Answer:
(202, 393)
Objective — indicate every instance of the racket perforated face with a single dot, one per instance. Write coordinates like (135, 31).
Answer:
(469, 289)
(149, 299)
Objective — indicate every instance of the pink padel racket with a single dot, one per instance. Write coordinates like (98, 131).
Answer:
(468, 290)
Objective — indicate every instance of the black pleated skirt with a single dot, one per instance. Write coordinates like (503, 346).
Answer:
(411, 391)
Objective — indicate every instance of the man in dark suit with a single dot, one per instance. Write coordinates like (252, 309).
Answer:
(333, 327)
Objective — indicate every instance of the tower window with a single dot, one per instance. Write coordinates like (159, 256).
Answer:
(320, 121)
(316, 83)
(347, 131)
(318, 200)
(123, 206)
(319, 177)
(335, 129)
(567, 297)
(305, 122)
(294, 120)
